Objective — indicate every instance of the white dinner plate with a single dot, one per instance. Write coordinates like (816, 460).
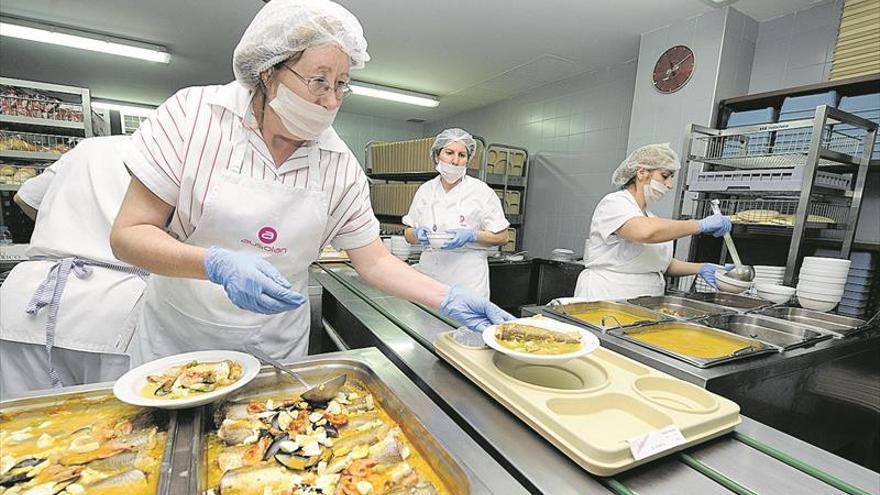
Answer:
(590, 342)
(127, 388)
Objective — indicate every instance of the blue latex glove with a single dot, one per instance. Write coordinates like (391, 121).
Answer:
(717, 225)
(472, 311)
(422, 235)
(251, 283)
(462, 237)
(707, 272)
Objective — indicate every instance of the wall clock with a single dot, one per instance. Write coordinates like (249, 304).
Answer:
(673, 69)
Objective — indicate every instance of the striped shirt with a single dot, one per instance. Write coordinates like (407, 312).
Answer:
(189, 139)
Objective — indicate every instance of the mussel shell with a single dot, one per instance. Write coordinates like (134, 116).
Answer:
(331, 430)
(275, 445)
(13, 479)
(295, 462)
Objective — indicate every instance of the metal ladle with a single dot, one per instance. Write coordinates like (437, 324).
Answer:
(319, 393)
(741, 272)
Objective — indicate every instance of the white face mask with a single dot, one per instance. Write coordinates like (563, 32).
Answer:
(302, 118)
(655, 190)
(451, 173)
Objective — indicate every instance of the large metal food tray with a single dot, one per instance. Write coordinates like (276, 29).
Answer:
(270, 383)
(771, 331)
(837, 325)
(730, 301)
(589, 407)
(750, 347)
(685, 309)
(44, 399)
(566, 311)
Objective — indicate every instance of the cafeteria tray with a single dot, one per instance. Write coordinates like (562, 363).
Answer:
(748, 347)
(590, 407)
(53, 399)
(604, 312)
(732, 301)
(780, 333)
(678, 307)
(837, 325)
(271, 384)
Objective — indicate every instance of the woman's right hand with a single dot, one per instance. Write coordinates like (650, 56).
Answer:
(717, 225)
(251, 283)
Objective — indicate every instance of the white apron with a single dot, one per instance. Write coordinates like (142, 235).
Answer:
(465, 267)
(641, 276)
(280, 223)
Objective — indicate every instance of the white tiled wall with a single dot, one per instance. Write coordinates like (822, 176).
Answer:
(357, 130)
(576, 133)
(796, 49)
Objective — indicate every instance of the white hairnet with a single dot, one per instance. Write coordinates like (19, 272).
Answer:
(284, 27)
(454, 135)
(650, 157)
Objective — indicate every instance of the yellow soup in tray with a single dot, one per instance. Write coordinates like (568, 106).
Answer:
(192, 378)
(612, 317)
(95, 446)
(692, 342)
(346, 446)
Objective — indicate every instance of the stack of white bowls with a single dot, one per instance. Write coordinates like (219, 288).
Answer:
(399, 247)
(560, 254)
(769, 274)
(821, 282)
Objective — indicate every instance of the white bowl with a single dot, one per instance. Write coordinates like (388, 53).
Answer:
(590, 342)
(768, 269)
(820, 261)
(821, 286)
(823, 272)
(824, 295)
(778, 294)
(128, 387)
(815, 305)
(437, 239)
(729, 284)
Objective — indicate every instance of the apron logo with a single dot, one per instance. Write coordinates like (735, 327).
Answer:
(267, 235)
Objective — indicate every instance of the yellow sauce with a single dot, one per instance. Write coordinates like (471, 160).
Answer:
(691, 342)
(53, 433)
(148, 390)
(612, 317)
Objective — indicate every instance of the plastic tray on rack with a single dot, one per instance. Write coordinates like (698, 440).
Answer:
(765, 180)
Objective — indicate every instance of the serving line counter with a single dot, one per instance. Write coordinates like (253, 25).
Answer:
(753, 459)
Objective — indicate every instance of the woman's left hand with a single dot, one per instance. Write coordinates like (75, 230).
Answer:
(707, 271)
(462, 237)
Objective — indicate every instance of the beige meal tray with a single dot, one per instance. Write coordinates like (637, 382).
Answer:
(589, 407)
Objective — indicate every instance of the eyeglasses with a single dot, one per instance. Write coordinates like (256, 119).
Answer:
(319, 86)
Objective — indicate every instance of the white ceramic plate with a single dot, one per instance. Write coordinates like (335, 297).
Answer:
(590, 342)
(127, 388)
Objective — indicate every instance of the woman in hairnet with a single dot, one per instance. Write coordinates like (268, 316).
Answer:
(461, 205)
(236, 189)
(629, 248)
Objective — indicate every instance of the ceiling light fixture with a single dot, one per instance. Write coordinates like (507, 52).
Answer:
(719, 3)
(393, 94)
(126, 109)
(44, 33)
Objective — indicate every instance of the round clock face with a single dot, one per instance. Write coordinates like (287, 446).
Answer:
(673, 69)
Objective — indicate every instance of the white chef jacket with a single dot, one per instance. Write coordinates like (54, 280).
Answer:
(471, 204)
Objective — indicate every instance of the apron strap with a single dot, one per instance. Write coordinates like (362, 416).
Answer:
(51, 289)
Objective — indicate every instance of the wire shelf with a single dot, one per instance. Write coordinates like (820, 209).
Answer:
(775, 212)
(39, 107)
(36, 142)
(771, 149)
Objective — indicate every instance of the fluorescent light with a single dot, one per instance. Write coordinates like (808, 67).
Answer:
(84, 41)
(126, 109)
(398, 95)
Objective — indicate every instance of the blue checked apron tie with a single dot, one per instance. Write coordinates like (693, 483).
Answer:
(49, 294)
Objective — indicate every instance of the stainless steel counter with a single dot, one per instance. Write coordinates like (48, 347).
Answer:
(357, 315)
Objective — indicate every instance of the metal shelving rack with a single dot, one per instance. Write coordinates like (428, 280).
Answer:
(788, 212)
(44, 128)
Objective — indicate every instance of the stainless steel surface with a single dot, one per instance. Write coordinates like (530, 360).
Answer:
(732, 301)
(682, 307)
(836, 324)
(430, 443)
(322, 392)
(534, 462)
(607, 322)
(768, 330)
(751, 347)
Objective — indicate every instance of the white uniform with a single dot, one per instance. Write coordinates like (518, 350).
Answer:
(470, 204)
(77, 199)
(202, 153)
(617, 268)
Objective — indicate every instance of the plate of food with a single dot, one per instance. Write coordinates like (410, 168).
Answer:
(540, 340)
(186, 380)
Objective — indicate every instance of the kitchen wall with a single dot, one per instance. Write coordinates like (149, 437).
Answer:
(576, 133)
(357, 130)
(796, 49)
